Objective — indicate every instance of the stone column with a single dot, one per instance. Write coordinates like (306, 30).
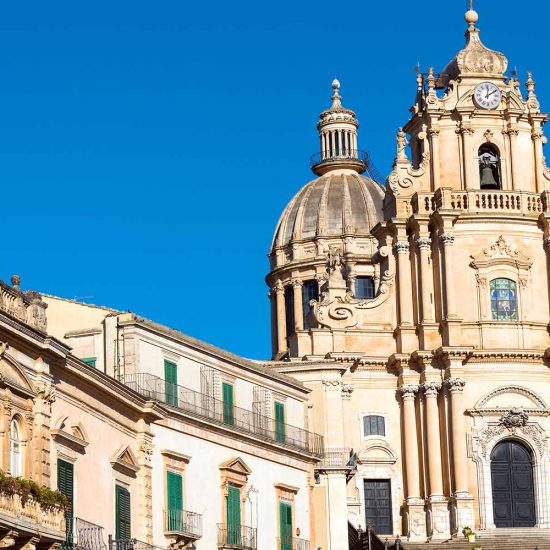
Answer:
(298, 310)
(424, 246)
(539, 155)
(448, 239)
(434, 141)
(279, 290)
(463, 500)
(515, 157)
(467, 132)
(439, 525)
(405, 287)
(416, 516)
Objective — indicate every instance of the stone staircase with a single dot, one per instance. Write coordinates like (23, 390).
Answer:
(498, 539)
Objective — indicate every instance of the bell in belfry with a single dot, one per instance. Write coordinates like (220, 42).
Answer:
(488, 171)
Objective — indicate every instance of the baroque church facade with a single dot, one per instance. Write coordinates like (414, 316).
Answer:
(418, 312)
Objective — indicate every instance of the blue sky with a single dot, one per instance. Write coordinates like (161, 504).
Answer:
(147, 149)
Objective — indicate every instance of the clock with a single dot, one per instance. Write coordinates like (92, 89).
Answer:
(487, 95)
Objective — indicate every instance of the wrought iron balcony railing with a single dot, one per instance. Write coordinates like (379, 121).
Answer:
(337, 458)
(131, 544)
(239, 537)
(291, 543)
(84, 535)
(210, 408)
(184, 523)
(346, 156)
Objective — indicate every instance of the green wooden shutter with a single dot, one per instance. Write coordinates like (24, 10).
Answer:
(174, 496)
(123, 513)
(89, 361)
(285, 525)
(280, 434)
(228, 404)
(233, 515)
(65, 485)
(171, 383)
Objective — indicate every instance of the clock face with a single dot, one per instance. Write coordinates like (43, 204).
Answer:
(487, 95)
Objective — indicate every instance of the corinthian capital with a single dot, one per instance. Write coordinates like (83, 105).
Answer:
(424, 243)
(408, 391)
(401, 247)
(297, 282)
(447, 239)
(455, 384)
(278, 288)
(431, 389)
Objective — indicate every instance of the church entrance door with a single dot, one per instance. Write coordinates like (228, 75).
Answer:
(513, 487)
(378, 505)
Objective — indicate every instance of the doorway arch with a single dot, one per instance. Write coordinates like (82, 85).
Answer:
(513, 485)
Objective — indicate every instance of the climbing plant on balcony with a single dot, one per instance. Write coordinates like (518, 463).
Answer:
(28, 489)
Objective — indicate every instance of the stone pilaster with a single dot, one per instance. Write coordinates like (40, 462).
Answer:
(279, 290)
(407, 341)
(297, 285)
(144, 529)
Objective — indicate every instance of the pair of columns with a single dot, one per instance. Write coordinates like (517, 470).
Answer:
(439, 523)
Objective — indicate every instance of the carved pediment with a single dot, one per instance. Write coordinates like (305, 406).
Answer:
(501, 253)
(72, 435)
(11, 372)
(125, 461)
(377, 451)
(236, 466)
(508, 398)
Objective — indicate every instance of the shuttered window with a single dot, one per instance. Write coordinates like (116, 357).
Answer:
(374, 425)
(228, 404)
(174, 497)
(233, 515)
(123, 513)
(171, 383)
(285, 525)
(65, 485)
(280, 434)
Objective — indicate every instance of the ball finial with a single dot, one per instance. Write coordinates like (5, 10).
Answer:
(336, 84)
(472, 17)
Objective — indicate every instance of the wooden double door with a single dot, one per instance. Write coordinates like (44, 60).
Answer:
(378, 505)
(512, 484)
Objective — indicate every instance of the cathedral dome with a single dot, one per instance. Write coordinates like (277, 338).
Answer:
(338, 204)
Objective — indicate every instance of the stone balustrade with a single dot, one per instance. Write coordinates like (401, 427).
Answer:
(26, 306)
(477, 201)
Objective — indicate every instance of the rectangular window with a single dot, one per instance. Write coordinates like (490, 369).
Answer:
(65, 485)
(310, 291)
(233, 515)
(280, 434)
(228, 404)
(374, 425)
(285, 525)
(174, 504)
(89, 361)
(364, 288)
(289, 311)
(170, 383)
(123, 529)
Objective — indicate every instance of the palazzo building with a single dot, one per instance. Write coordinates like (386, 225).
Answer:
(418, 311)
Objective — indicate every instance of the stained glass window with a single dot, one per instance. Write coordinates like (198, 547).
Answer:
(504, 303)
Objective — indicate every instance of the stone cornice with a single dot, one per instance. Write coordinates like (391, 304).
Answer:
(497, 411)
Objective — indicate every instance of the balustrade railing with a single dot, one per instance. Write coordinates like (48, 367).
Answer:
(84, 535)
(131, 544)
(237, 536)
(291, 543)
(188, 524)
(25, 306)
(205, 406)
(337, 458)
(32, 512)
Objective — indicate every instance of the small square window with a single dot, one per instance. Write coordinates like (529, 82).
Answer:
(374, 425)
(364, 288)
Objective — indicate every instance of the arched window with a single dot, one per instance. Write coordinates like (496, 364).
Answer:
(15, 449)
(374, 425)
(504, 302)
(489, 167)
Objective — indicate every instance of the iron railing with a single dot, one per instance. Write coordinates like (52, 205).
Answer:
(183, 522)
(237, 536)
(291, 543)
(337, 458)
(210, 408)
(83, 535)
(346, 155)
(131, 544)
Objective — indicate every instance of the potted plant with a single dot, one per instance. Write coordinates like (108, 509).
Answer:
(469, 534)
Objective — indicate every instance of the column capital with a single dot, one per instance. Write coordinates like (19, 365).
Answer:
(447, 239)
(297, 283)
(431, 389)
(278, 288)
(424, 243)
(401, 247)
(455, 385)
(408, 391)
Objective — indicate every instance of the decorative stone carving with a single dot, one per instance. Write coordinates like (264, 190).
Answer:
(45, 391)
(431, 389)
(408, 391)
(501, 251)
(514, 418)
(455, 384)
(297, 283)
(401, 247)
(424, 243)
(401, 145)
(447, 239)
(347, 390)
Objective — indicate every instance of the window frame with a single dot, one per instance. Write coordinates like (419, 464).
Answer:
(516, 299)
(363, 278)
(19, 471)
(383, 415)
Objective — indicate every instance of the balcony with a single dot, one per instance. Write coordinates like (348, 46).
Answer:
(26, 306)
(131, 544)
(358, 160)
(183, 525)
(83, 535)
(338, 459)
(292, 544)
(208, 408)
(28, 517)
(238, 537)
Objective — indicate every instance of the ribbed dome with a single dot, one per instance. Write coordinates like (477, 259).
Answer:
(333, 205)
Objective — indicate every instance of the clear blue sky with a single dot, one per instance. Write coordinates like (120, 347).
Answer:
(147, 149)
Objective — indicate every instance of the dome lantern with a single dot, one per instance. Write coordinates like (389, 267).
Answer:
(337, 128)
